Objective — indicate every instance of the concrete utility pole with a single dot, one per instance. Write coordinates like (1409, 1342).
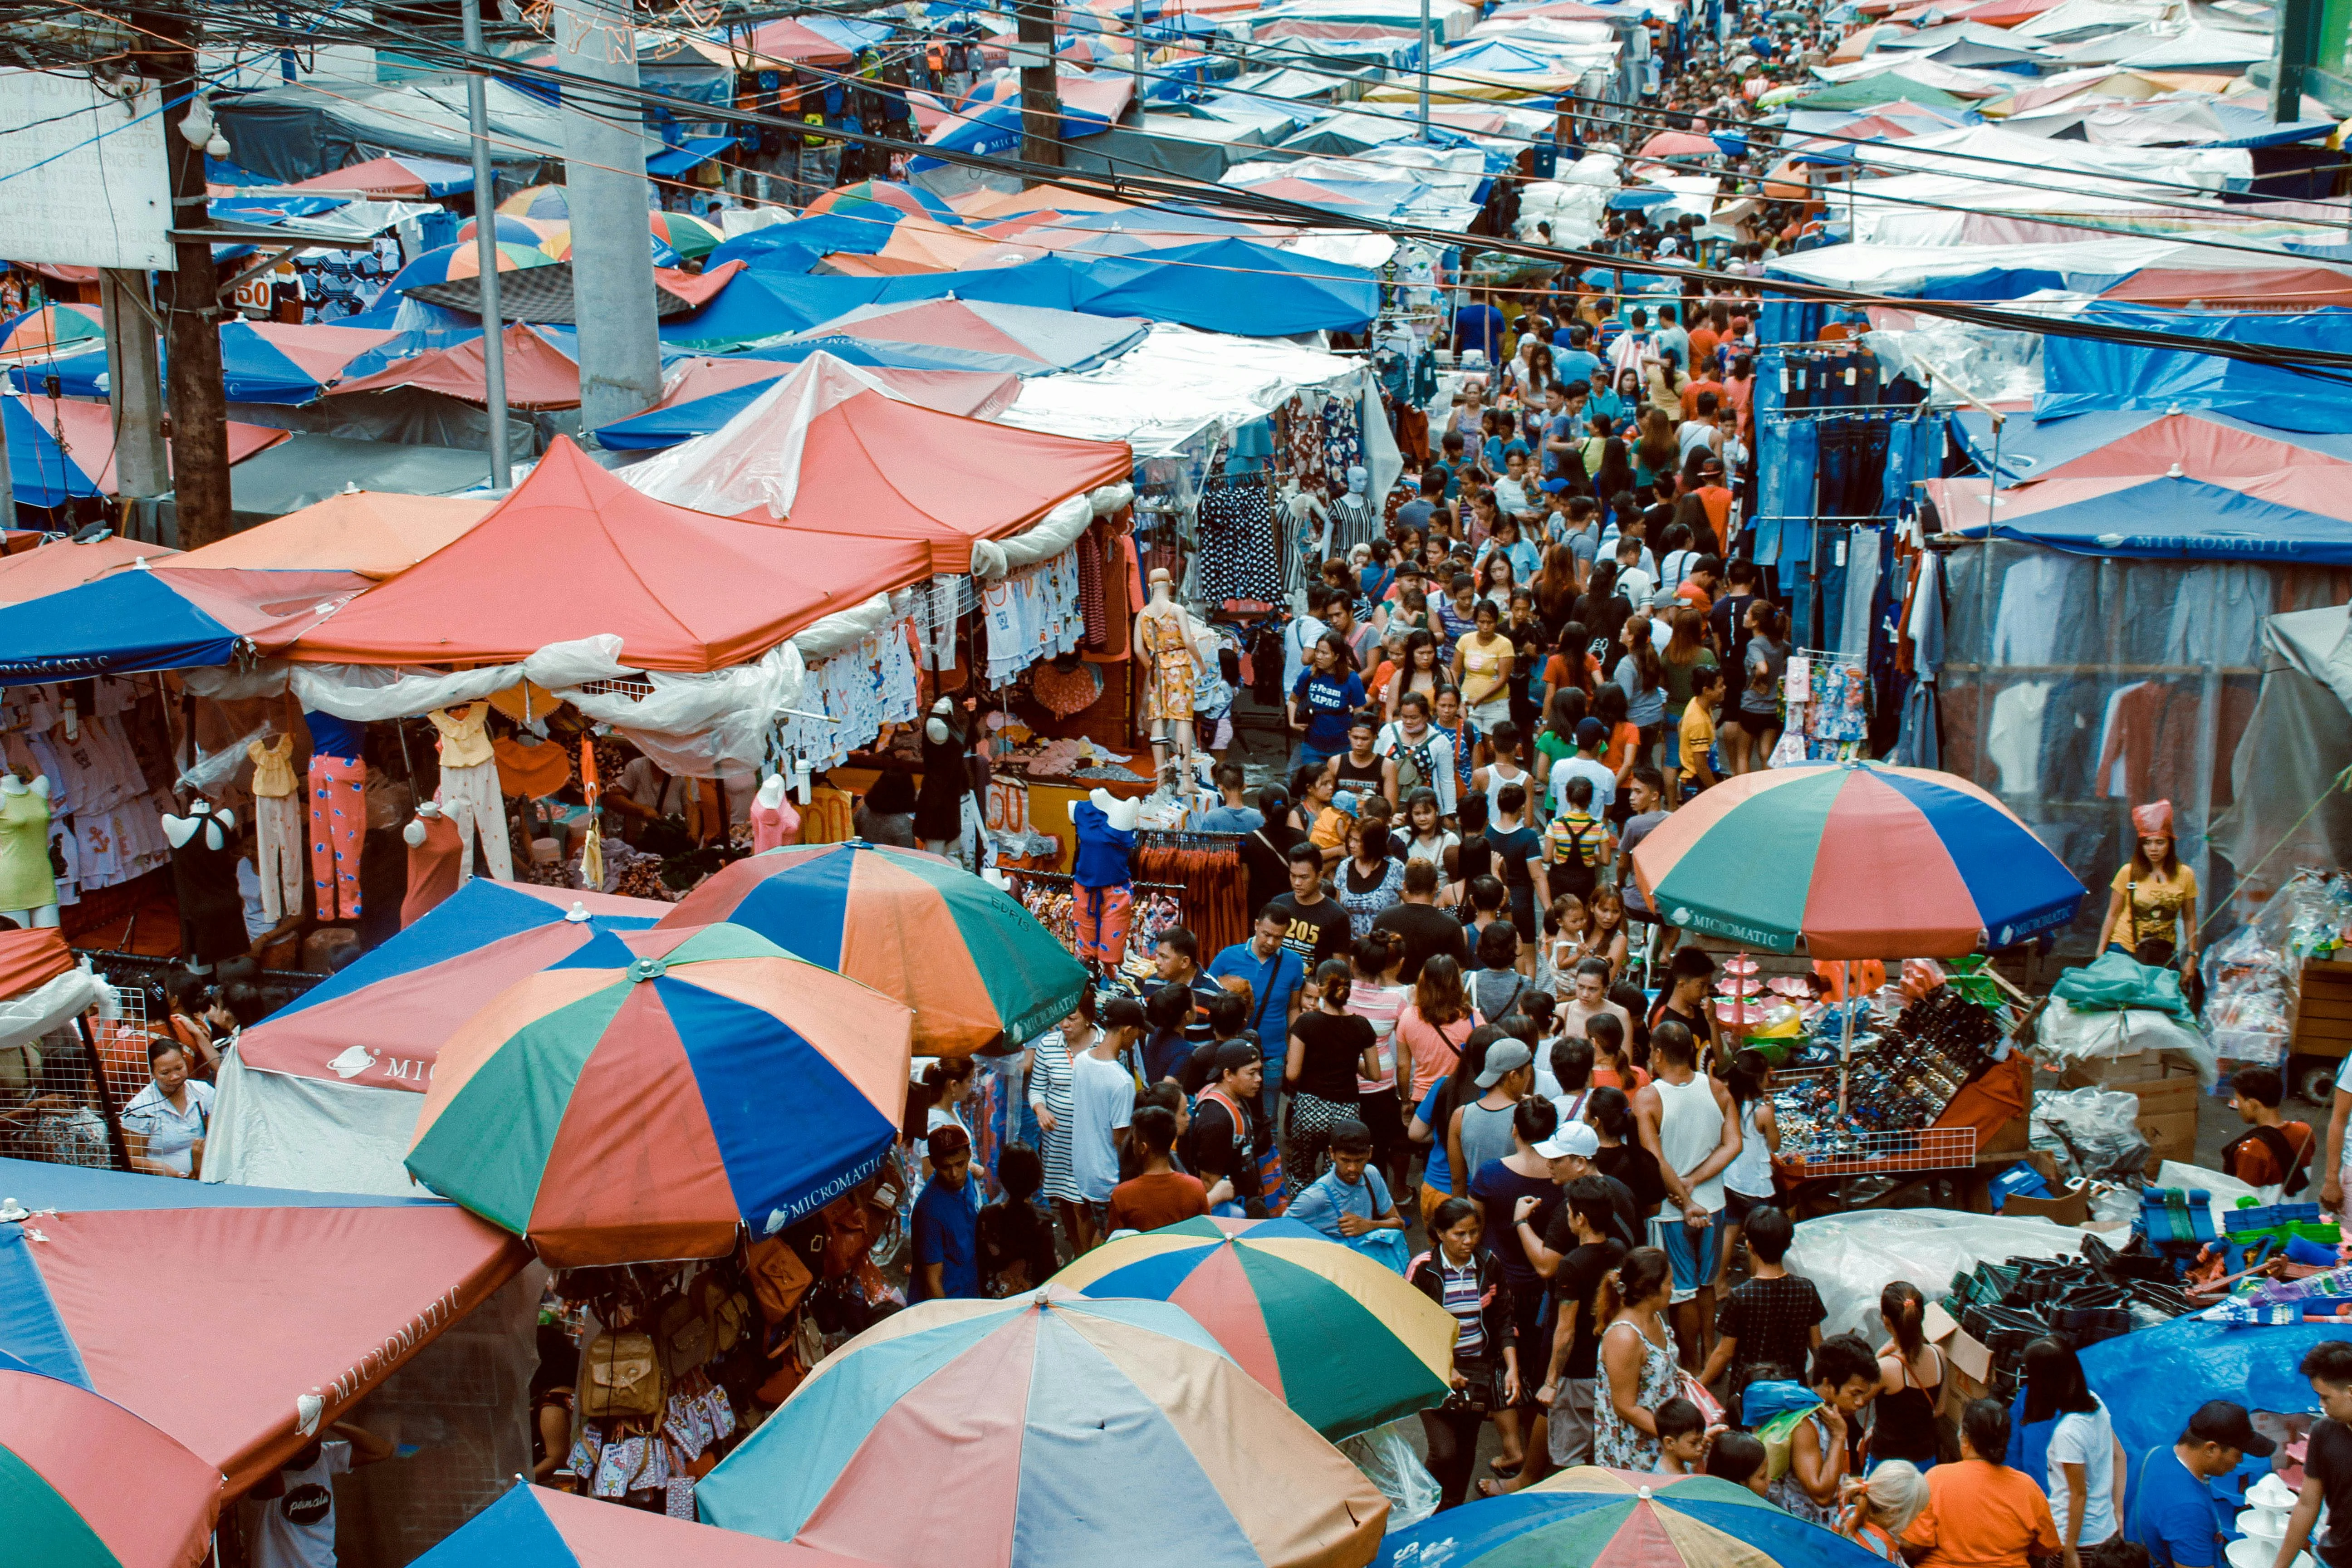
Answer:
(486, 242)
(199, 397)
(604, 182)
(1425, 70)
(2298, 51)
(134, 384)
(1041, 90)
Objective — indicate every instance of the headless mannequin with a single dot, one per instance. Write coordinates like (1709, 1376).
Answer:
(774, 822)
(26, 880)
(1310, 522)
(1172, 641)
(203, 881)
(434, 852)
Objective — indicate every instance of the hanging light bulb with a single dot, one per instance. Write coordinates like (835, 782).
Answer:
(197, 127)
(218, 146)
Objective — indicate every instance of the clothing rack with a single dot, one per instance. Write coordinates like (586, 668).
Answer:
(1186, 838)
(1850, 411)
(1209, 864)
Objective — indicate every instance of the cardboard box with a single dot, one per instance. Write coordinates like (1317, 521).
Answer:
(1968, 1364)
(2010, 1138)
(2069, 1209)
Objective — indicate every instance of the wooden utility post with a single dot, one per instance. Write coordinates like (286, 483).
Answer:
(190, 298)
(1041, 91)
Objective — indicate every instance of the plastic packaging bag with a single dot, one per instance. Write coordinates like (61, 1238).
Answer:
(2065, 1034)
(1851, 1256)
(2092, 1132)
(2113, 981)
(1387, 1458)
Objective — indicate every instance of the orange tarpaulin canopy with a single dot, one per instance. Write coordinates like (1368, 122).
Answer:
(31, 959)
(539, 375)
(375, 533)
(377, 176)
(54, 568)
(870, 467)
(573, 553)
(2255, 288)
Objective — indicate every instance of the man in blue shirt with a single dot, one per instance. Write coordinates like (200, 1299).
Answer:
(2174, 1512)
(946, 1223)
(1478, 325)
(1275, 974)
(1576, 363)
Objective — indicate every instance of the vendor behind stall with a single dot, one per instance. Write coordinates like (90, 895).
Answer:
(2152, 915)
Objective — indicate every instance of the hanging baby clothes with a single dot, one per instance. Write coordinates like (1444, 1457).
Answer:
(1353, 522)
(469, 789)
(1343, 438)
(1241, 558)
(773, 826)
(203, 880)
(433, 867)
(338, 785)
(1165, 637)
(277, 827)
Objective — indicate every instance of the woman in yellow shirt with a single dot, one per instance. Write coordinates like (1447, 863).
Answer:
(1482, 667)
(2152, 913)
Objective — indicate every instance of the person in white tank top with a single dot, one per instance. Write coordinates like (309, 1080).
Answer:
(1687, 1121)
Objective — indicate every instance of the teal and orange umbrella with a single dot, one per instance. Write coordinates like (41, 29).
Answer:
(967, 957)
(1855, 860)
(1339, 1336)
(86, 1484)
(690, 237)
(1591, 1517)
(466, 261)
(648, 1111)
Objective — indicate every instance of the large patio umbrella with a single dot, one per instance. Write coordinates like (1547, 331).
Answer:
(646, 1112)
(1591, 1518)
(1855, 860)
(970, 960)
(1340, 1337)
(1050, 1431)
(65, 1457)
(534, 1527)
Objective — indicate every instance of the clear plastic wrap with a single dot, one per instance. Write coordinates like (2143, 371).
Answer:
(1389, 1462)
(2251, 974)
(2092, 1132)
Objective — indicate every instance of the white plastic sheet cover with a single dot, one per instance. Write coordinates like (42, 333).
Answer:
(2064, 1034)
(1175, 384)
(273, 1129)
(1850, 1258)
(52, 1004)
(754, 459)
(1389, 1462)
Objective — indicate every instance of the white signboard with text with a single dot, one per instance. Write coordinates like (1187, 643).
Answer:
(83, 180)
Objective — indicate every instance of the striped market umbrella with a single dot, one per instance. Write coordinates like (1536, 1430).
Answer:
(1855, 860)
(1048, 1431)
(65, 1455)
(531, 233)
(970, 960)
(1590, 1517)
(51, 330)
(539, 200)
(686, 235)
(640, 1113)
(1340, 1337)
(534, 1527)
(907, 199)
(466, 261)
(558, 246)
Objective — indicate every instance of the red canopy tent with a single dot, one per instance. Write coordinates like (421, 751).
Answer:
(2253, 289)
(376, 177)
(574, 554)
(828, 454)
(539, 375)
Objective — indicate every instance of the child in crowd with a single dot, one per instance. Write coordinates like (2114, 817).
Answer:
(2274, 1151)
(1682, 1437)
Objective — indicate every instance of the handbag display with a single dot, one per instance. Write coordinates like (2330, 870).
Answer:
(621, 1374)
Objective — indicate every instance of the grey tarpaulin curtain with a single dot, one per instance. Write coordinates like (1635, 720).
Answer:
(2286, 811)
(2076, 686)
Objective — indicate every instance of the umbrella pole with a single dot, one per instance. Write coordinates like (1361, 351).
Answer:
(1846, 1051)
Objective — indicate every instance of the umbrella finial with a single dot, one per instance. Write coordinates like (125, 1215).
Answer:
(578, 914)
(648, 969)
(1643, 1494)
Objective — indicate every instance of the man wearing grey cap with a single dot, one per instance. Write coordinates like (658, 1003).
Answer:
(2176, 1515)
(1482, 1130)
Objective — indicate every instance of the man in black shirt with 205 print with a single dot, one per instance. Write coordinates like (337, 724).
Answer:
(1319, 926)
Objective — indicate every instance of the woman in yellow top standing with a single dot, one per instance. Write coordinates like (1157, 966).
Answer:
(2152, 915)
(1482, 667)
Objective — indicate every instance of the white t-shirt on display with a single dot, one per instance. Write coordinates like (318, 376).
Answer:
(2087, 1438)
(1102, 1101)
(298, 1529)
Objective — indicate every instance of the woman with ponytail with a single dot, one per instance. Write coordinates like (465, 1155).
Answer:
(1330, 1048)
(1910, 1379)
(1638, 1370)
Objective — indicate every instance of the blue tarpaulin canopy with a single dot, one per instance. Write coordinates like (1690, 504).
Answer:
(2171, 518)
(2031, 449)
(1237, 286)
(166, 618)
(672, 162)
(2080, 375)
(253, 369)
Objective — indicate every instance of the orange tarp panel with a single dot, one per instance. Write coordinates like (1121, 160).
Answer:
(573, 553)
(54, 568)
(539, 375)
(31, 959)
(375, 533)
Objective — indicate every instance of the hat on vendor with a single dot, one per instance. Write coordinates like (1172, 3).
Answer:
(2153, 820)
